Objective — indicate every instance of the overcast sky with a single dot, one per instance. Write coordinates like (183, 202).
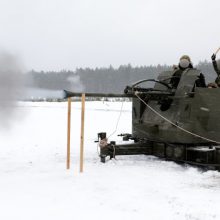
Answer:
(65, 34)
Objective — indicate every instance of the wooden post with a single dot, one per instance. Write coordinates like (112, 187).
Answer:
(68, 133)
(82, 133)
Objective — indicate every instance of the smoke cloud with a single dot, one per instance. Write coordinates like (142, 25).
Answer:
(12, 87)
(76, 85)
(44, 94)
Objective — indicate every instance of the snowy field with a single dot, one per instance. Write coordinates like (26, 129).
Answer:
(35, 184)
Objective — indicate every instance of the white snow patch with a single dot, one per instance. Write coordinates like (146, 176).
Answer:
(35, 184)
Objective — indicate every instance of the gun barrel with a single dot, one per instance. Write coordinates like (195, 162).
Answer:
(68, 94)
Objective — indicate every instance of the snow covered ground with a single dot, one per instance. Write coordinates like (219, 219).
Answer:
(34, 183)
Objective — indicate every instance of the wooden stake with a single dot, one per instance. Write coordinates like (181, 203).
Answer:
(82, 133)
(68, 133)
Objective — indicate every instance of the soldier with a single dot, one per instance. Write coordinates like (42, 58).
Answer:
(215, 65)
(184, 63)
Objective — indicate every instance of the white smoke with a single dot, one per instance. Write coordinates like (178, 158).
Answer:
(11, 86)
(76, 84)
(44, 94)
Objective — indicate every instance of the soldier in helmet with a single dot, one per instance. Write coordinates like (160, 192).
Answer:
(216, 68)
(185, 63)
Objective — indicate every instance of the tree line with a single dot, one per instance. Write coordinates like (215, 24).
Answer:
(103, 80)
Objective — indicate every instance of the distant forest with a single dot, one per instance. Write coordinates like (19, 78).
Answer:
(103, 80)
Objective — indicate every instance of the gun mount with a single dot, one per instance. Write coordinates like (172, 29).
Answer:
(179, 123)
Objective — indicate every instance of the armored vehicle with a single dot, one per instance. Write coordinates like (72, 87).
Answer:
(180, 123)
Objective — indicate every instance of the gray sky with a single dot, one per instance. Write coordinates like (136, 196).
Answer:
(65, 34)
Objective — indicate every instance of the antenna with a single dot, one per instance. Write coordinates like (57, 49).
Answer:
(217, 50)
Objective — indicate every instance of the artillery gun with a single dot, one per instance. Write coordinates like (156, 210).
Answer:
(180, 124)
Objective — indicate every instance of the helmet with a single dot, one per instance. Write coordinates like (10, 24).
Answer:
(184, 61)
(185, 57)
